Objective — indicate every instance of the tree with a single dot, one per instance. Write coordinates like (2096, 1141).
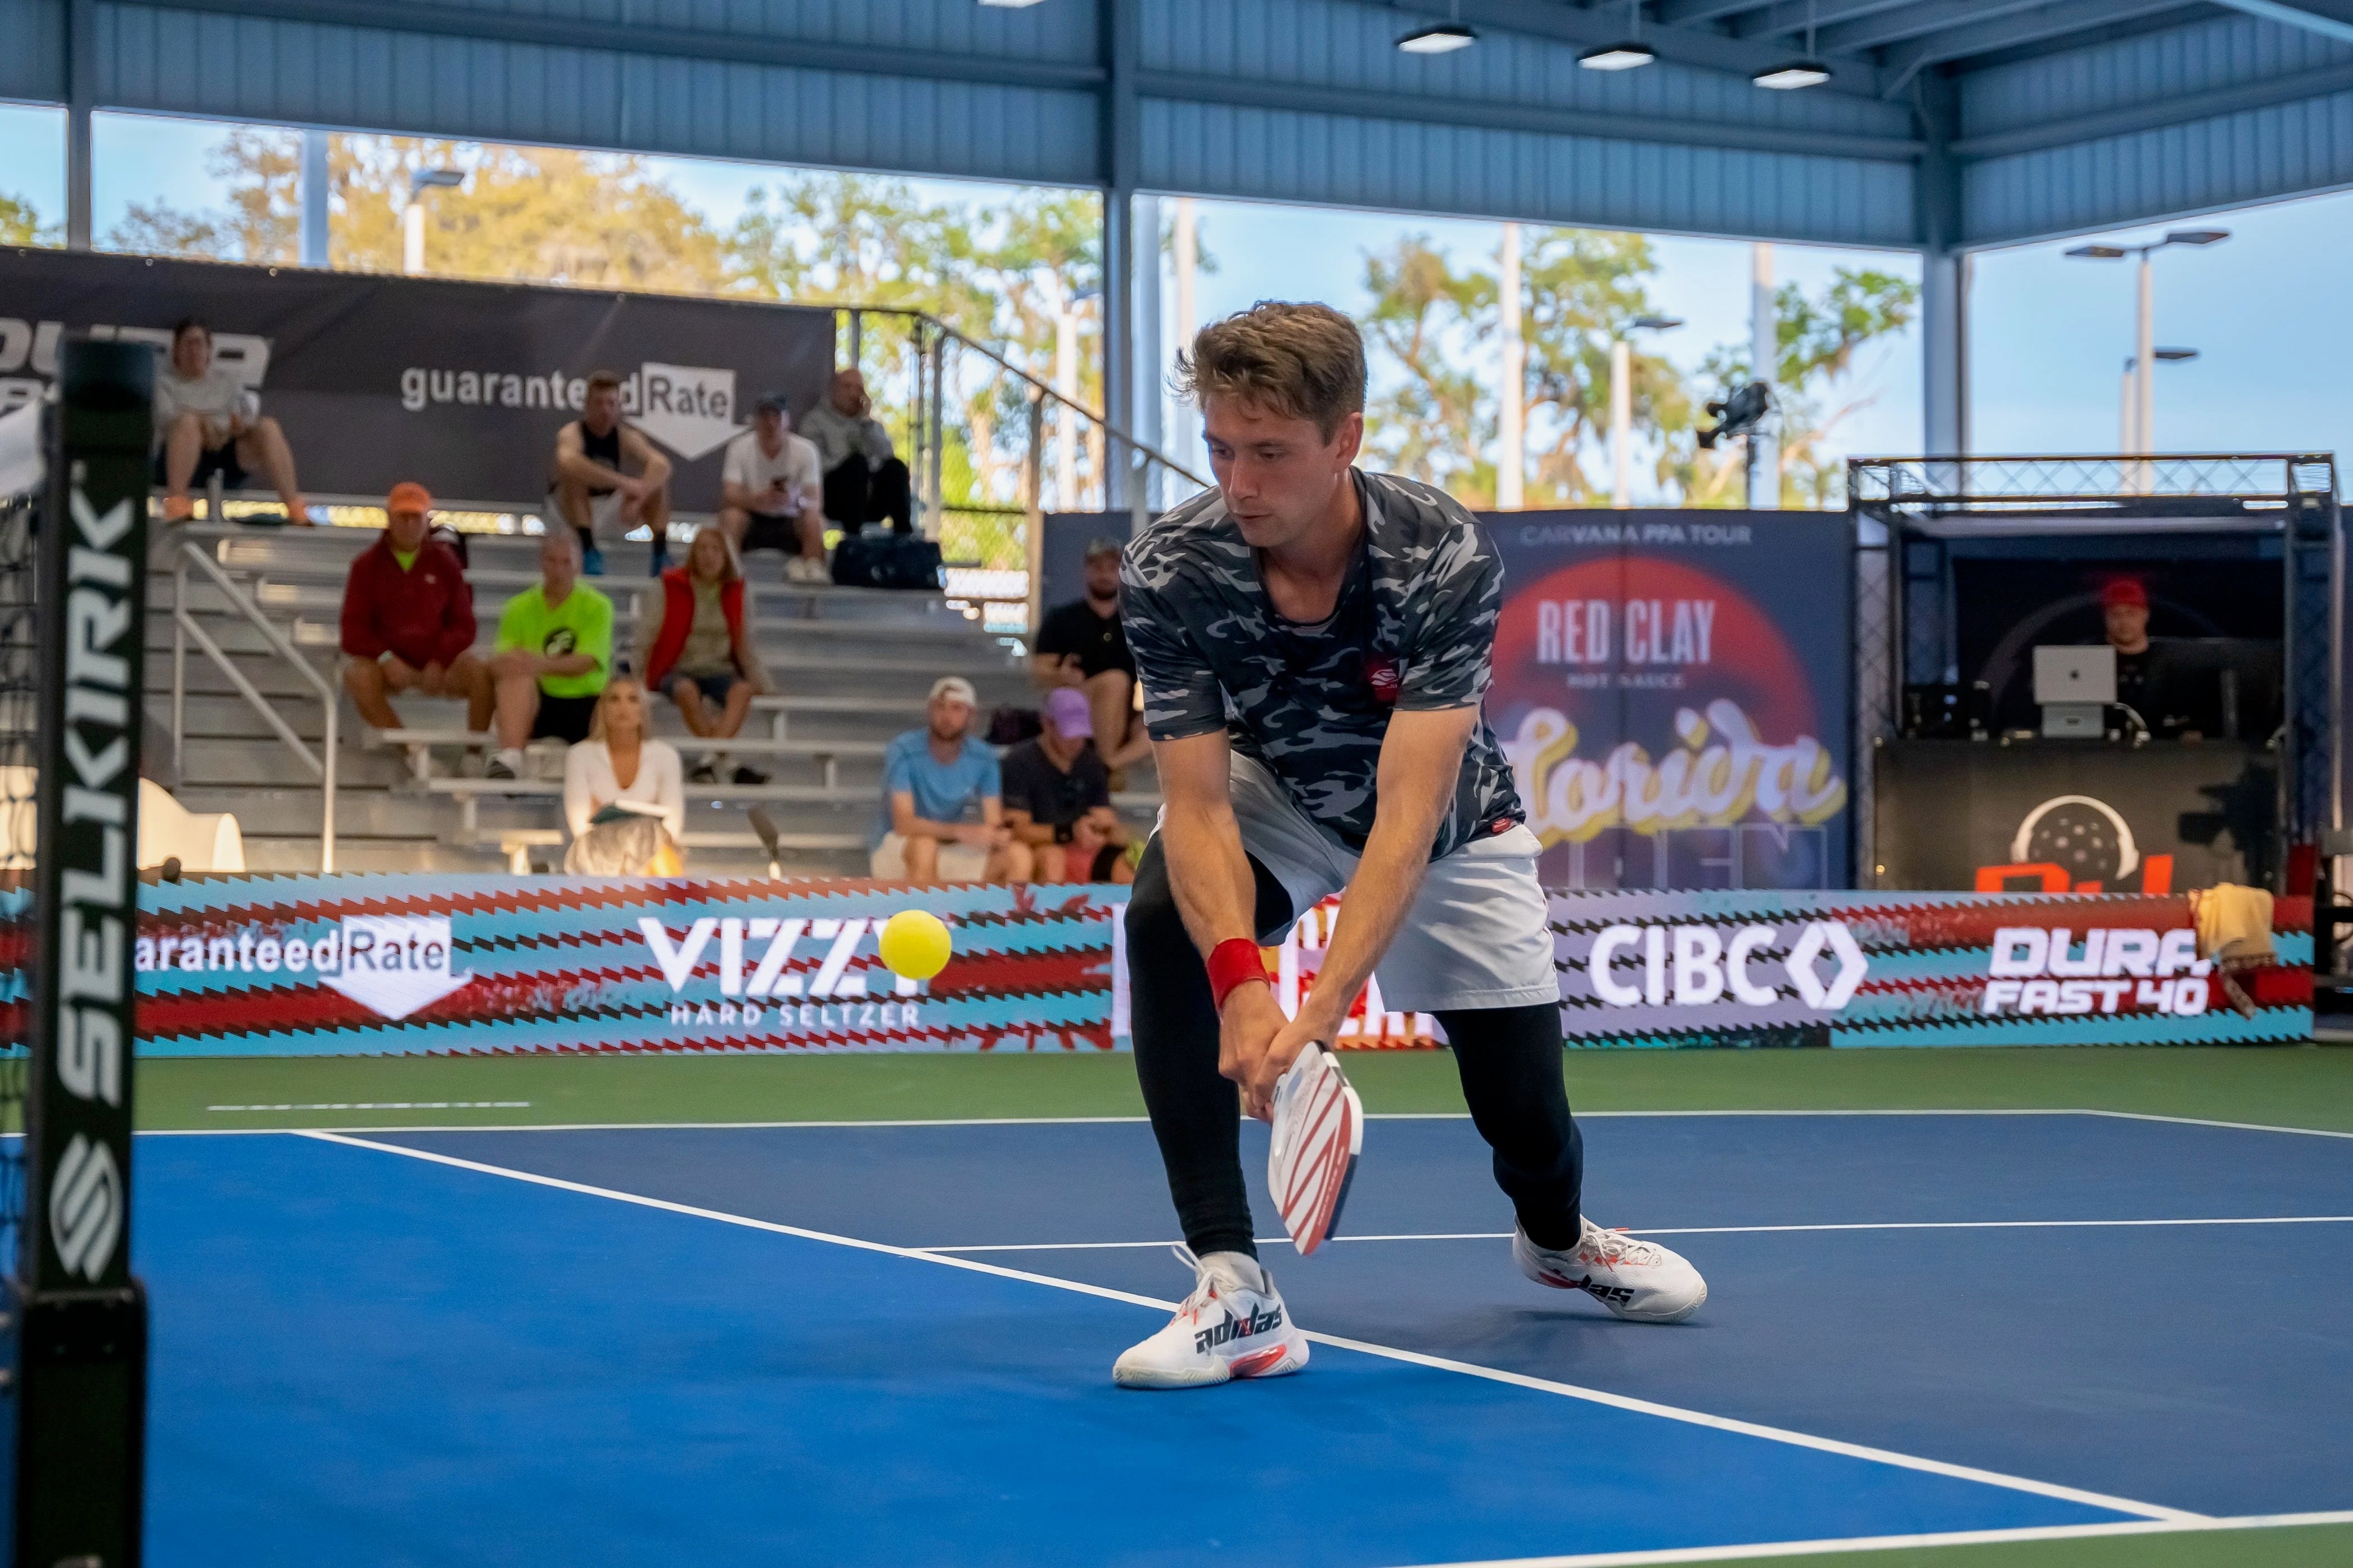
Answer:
(1584, 291)
(537, 214)
(263, 223)
(1818, 339)
(20, 223)
(1434, 421)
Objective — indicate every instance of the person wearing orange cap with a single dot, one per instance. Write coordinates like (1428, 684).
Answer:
(408, 619)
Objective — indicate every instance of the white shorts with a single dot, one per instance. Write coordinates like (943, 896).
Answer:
(1478, 933)
(959, 862)
(604, 516)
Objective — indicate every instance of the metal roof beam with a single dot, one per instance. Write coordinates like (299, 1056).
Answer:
(2053, 19)
(1685, 13)
(2177, 110)
(1918, 20)
(1788, 19)
(1683, 45)
(2329, 18)
(1484, 114)
(645, 39)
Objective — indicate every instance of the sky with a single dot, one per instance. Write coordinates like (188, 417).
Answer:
(2048, 333)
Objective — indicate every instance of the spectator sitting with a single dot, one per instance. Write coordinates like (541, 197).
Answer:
(1081, 646)
(768, 492)
(590, 485)
(863, 482)
(694, 642)
(619, 763)
(207, 423)
(942, 815)
(554, 653)
(408, 620)
(1057, 798)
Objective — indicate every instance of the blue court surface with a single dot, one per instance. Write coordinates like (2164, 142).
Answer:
(890, 1345)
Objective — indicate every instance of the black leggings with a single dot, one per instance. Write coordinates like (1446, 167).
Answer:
(1509, 1059)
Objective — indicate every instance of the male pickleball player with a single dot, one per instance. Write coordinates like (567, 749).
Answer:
(1313, 643)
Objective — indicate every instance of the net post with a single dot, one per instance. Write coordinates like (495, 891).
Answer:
(81, 1377)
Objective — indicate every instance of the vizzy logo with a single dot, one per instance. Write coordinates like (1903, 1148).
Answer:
(1694, 966)
(742, 975)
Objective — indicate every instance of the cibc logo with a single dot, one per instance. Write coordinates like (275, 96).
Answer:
(2157, 971)
(1694, 966)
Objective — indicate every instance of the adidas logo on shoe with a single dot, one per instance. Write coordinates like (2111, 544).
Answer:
(1264, 1320)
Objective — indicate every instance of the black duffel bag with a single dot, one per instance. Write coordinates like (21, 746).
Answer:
(884, 558)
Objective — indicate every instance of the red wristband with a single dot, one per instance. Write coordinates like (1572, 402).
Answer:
(1234, 963)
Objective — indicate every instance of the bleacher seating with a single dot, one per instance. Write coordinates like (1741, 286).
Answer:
(852, 667)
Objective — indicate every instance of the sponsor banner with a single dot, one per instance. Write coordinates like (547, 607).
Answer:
(2055, 816)
(460, 386)
(1672, 688)
(396, 965)
(361, 965)
(1864, 969)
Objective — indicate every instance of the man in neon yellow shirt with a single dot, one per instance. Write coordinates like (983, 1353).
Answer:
(554, 652)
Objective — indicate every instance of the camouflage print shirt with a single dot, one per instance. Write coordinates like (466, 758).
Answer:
(1413, 628)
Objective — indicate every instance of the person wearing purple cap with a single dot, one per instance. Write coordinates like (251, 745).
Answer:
(1058, 797)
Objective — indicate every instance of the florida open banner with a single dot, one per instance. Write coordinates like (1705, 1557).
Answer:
(307, 965)
(460, 385)
(1672, 691)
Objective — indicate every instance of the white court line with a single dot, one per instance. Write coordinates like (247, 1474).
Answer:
(387, 1105)
(1090, 1120)
(1703, 1230)
(1415, 1358)
(1891, 1543)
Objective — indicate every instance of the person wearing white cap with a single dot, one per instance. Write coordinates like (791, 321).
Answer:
(943, 816)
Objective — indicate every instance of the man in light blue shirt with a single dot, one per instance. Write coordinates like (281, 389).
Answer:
(941, 817)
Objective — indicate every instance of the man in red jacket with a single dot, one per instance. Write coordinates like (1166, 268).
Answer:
(408, 620)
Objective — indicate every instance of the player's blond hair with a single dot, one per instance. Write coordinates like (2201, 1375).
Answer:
(1302, 361)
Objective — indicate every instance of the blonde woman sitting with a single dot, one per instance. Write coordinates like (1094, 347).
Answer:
(620, 764)
(695, 646)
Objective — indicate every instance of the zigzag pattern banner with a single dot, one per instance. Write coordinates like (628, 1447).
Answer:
(308, 966)
(355, 965)
(1913, 968)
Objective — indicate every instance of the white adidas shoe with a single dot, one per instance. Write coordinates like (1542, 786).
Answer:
(1636, 1279)
(1232, 1325)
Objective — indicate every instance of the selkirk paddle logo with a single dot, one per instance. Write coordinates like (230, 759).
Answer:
(394, 964)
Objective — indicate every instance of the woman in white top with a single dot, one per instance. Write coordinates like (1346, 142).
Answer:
(620, 760)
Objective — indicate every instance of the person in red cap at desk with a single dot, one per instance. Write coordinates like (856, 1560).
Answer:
(2123, 603)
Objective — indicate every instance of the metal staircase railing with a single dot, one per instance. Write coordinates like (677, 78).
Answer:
(186, 627)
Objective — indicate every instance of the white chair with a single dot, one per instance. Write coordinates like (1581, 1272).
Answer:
(203, 841)
(199, 840)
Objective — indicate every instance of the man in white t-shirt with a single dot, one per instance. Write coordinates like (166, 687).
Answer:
(207, 423)
(769, 488)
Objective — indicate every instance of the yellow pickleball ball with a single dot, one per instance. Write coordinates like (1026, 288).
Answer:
(915, 943)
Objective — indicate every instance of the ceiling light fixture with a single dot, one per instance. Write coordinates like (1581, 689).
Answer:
(1799, 73)
(1443, 39)
(1622, 56)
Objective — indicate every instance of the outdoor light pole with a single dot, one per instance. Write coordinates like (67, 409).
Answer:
(2142, 365)
(2140, 426)
(1621, 406)
(412, 216)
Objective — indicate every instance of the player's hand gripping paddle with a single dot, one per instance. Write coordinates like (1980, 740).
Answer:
(1319, 1128)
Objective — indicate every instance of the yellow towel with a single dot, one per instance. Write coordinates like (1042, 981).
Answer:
(2234, 924)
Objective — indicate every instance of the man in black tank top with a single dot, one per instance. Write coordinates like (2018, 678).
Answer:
(595, 458)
